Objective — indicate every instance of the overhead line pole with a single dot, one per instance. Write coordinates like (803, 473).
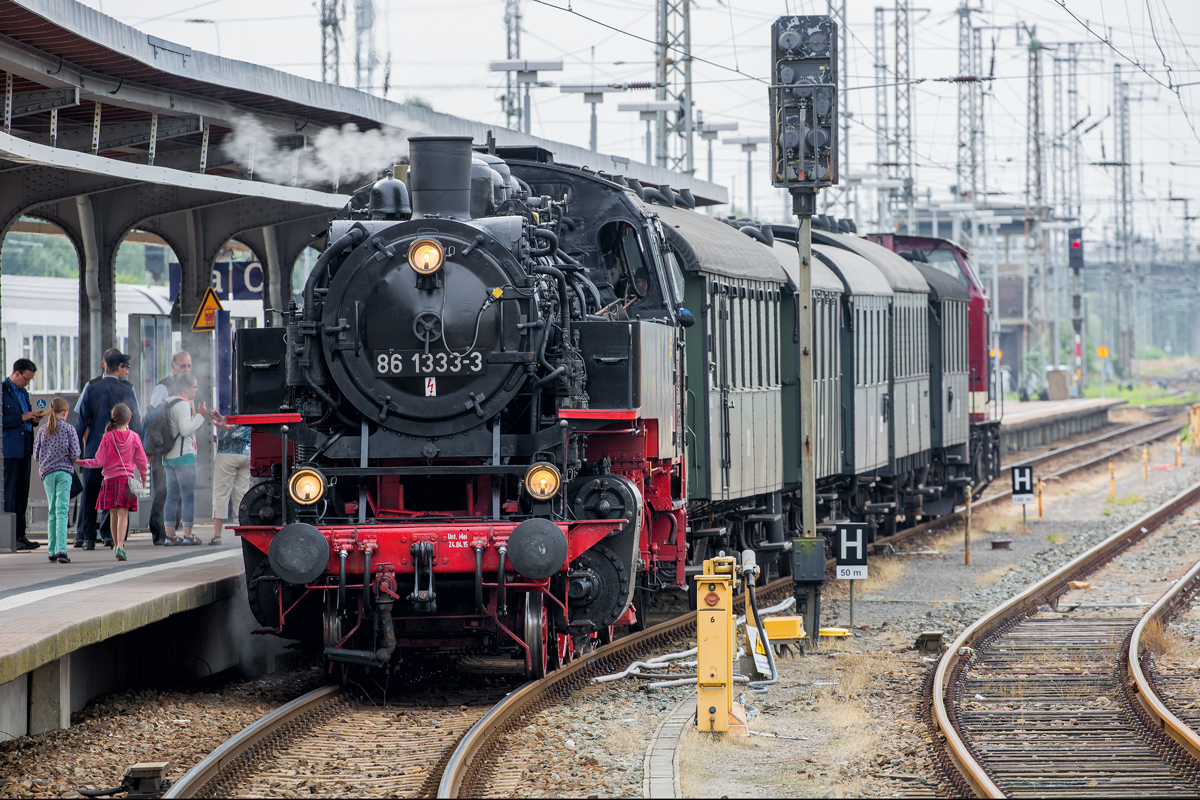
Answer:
(1126, 352)
(904, 120)
(1034, 299)
(965, 164)
(882, 144)
(511, 101)
(673, 57)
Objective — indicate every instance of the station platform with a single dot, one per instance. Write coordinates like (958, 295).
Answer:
(1041, 422)
(71, 632)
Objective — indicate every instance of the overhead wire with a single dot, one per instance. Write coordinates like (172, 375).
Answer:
(693, 57)
(1170, 87)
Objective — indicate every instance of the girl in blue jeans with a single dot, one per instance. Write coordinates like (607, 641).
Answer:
(56, 449)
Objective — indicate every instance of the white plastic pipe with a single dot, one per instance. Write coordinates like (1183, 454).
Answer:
(657, 661)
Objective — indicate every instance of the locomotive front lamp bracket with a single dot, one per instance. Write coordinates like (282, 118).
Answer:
(306, 486)
(426, 256)
(542, 481)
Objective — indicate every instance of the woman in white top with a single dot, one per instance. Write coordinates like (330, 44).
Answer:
(180, 460)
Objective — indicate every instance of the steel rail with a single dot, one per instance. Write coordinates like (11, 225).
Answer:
(958, 655)
(475, 744)
(907, 533)
(234, 748)
(1095, 440)
(1147, 694)
(475, 740)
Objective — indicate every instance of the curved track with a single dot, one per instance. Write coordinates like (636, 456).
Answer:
(329, 743)
(454, 749)
(465, 764)
(1038, 706)
(1137, 435)
(1178, 720)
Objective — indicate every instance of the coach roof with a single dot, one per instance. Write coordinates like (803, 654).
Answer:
(704, 244)
(863, 277)
(823, 278)
(901, 275)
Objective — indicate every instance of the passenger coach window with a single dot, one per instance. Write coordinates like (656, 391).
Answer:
(757, 342)
(871, 347)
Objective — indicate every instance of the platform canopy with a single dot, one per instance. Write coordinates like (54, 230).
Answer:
(108, 129)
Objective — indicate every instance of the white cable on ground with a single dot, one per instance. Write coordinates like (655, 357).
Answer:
(658, 662)
(651, 663)
(786, 605)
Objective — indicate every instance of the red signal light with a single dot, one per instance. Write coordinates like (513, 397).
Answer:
(1076, 244)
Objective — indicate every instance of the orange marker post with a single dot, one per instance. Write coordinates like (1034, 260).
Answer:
(1041, 488)
(1145, 465)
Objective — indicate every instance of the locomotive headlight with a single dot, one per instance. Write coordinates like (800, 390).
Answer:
(426, 256)
(542, 481)
(307, 486)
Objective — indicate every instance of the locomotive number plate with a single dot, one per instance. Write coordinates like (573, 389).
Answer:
(438, 363)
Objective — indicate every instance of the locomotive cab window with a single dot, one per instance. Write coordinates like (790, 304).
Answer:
(630, 272)
(946, 261)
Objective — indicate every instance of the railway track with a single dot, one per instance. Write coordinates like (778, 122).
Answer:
(1166, 702)
(1106, 446)
(330, 744)
(1031, 704)
(1169, 421)
(328, 739)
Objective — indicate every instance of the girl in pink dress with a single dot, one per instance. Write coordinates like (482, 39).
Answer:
(120, 454)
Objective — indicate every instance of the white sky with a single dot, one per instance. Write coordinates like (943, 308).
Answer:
(441, 48)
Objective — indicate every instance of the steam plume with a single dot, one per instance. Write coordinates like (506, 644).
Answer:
(340, 156)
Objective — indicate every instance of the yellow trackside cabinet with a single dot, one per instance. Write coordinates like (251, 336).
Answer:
(716, 643)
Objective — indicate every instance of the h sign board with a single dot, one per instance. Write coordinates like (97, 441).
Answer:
(851, 551)
(1022, 486)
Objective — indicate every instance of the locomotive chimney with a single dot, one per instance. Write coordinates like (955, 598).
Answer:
(439, 175)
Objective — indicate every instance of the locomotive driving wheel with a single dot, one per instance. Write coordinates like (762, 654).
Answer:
(536, 626)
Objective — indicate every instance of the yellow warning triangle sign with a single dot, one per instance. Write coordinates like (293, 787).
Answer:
(206, 316)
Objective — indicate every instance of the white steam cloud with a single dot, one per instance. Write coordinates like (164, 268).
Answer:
(339, 156)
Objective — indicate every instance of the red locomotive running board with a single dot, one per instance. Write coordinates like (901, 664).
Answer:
(597, 413)
(262, 419)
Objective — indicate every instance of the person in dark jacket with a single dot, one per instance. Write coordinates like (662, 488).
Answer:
(19, 422)
(94, 408)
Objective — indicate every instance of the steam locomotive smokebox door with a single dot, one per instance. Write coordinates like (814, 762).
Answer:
(612, 364)
(259, 356)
